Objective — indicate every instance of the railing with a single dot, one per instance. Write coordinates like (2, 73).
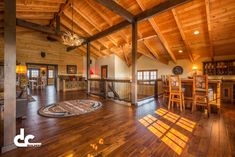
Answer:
(121, 89)
(110, 88)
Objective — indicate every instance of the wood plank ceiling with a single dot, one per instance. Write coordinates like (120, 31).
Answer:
(166, 37)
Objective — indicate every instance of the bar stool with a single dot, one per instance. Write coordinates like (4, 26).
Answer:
(165, 87)
(200, 92)
(176, 94)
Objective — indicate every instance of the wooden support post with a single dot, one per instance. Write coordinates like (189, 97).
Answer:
(57, 24)
(134, 64)
(9, 115)
(88, 67)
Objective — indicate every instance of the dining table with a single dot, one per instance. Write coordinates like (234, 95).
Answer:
(214, 91)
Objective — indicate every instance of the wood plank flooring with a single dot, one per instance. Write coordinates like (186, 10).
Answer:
(119, 130)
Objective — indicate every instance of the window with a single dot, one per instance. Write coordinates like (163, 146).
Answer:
(147, 75)
(28, 73)
(34, 73)
(50, 73)
(153, 75)
(139, 75)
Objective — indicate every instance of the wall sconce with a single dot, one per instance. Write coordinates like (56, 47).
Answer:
(194, 69)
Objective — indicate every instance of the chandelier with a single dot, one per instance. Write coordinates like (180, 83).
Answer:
(70, 38)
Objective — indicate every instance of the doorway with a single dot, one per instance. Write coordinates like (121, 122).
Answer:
(43, 72)
(104, 71)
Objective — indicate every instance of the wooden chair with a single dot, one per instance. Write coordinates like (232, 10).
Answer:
(200, 92)
(176, 94)
(165, 87)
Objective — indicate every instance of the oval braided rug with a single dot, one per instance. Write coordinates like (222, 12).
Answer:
(69, 108)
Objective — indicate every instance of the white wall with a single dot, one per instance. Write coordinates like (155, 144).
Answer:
(121, 69)
(92, 65)
(106, 60)
(117, 68)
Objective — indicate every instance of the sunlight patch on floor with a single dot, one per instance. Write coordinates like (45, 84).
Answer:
(170, 136)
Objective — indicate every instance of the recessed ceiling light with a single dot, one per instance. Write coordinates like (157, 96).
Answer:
(196, 32)
(180, 51)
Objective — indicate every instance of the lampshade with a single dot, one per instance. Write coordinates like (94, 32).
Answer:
(91, 72)
(21, 69)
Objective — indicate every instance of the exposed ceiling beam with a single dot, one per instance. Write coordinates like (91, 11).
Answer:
(170, 4)
(154, 52)
(113, 6)
(209, 27)
(36, 27)
(158, 32)
(142, 16)
(179, 25)
(63, 6)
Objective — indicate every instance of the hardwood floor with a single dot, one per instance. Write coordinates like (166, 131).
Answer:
(118, 130)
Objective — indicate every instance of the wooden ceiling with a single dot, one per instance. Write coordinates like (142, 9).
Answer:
(168, 36)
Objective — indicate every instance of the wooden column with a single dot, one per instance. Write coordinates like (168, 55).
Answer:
(134, 64)
(88, 67)
(57, 24)
(9, 115)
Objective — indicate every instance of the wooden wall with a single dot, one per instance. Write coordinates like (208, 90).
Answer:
(30, 45)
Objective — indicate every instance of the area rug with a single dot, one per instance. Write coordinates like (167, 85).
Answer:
(69, 108)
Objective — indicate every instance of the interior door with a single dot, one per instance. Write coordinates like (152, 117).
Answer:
(104, 71)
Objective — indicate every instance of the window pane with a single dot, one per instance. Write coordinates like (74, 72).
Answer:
(139, 75)
(153, 75)
(28, 71)
(146, 75)
(34, 73)
(50, 73)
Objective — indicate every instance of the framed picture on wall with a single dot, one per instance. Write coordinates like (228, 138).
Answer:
(71, 69)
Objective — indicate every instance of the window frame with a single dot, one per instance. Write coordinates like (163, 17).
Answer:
(149, 75)
(49, 76)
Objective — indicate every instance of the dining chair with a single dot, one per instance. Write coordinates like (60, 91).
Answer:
(200, 92)
(176, 94)
(165, 87)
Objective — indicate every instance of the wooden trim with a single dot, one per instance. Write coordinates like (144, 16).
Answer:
(113, 6)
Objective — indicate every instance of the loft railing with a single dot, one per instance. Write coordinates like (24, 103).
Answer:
(121, 89)
(111, 88)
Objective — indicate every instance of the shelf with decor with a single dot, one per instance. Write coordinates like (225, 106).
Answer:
(226, 67)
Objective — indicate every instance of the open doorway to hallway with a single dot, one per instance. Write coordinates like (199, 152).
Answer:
(41, 75)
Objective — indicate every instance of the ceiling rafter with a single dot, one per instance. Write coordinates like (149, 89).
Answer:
(155, 53)
(207, 2)
(83, 27)
(91, 4)
(63, 6)
(140, 17)
(126, 59)
(158, 32)
(105, 18)
(113, 6)
(89, 20)
(179, 25)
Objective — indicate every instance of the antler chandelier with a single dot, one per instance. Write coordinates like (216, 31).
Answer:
(70, 38)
